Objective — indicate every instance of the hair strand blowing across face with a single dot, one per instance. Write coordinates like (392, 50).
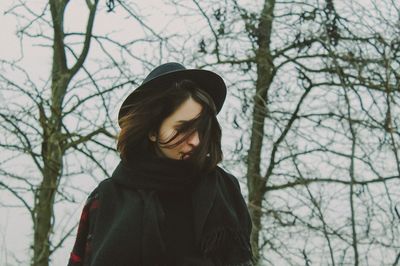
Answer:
(145, 117)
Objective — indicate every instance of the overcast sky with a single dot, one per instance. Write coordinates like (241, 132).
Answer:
(34, 56)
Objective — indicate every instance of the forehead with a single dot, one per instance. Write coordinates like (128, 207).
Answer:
(188, 110)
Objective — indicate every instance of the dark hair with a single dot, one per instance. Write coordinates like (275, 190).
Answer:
(156, 104)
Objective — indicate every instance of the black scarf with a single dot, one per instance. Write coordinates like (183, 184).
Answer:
(221, 220)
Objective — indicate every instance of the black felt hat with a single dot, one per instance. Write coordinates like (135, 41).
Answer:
(164, 75)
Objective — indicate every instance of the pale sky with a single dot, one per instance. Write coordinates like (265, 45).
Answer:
(15, 224)
(15, 231)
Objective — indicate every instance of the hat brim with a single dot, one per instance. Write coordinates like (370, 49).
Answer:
(208, 81)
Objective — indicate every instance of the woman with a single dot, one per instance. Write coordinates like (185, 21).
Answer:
(167, 202)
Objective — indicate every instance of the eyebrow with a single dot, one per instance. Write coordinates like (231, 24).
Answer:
(186, 121)
(183, 121)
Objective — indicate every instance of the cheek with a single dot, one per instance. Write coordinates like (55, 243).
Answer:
(163, 130)
(166, 133)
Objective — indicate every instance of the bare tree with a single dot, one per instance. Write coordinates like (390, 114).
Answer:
(318, 79)
(321, 148)
(63, 127)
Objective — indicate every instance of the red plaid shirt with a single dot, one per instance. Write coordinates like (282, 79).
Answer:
(81, 251)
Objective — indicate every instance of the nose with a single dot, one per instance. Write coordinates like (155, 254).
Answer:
(194, 139)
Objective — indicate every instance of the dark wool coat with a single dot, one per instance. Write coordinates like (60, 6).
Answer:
(112, 207)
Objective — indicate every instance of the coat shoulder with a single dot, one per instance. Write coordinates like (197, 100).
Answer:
(95, 192)
(229, 177)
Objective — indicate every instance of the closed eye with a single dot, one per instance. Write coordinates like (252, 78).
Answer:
(184, 126)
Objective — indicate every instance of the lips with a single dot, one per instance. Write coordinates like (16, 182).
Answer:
(185, 156)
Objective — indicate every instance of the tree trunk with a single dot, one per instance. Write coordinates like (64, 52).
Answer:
(52, 150)
(45, 201)
(265, 72)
